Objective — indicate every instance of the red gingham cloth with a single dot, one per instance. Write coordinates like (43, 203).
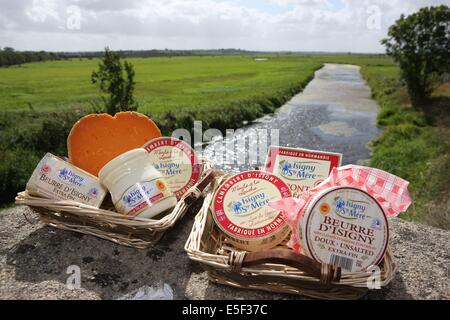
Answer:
(390, 191)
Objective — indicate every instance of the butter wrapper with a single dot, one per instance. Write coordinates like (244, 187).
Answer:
(301, 169)
(57, 179)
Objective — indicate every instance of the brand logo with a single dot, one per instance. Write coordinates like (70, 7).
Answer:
(376, 224)
(46, 169)
(68, 176)
(350, 209)
(299, 170)
(133, 197)
(93, 192)
(138, 193)
(168, 169)
(248, 205)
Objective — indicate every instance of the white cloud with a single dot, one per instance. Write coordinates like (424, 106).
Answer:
(41, 10)
(307, 25)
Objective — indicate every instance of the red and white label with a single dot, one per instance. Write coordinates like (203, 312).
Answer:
(301, 169)
(240, 205)
(176, 161)
(141, 196)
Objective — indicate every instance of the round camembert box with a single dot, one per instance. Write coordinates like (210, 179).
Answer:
(346, 227)
(240, 210)
(177, 162)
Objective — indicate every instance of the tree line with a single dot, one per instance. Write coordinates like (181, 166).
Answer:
(11, 57)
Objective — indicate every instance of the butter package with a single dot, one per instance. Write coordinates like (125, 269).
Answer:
(344, 220)
(57, 179)
(301, 169)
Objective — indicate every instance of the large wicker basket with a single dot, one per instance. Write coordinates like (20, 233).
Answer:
(283, 271)
(106, 223)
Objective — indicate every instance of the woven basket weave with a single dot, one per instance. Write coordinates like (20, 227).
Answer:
(208, 245)
(106, 223)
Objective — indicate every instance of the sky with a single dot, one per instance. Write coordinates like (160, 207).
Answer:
(263, 25)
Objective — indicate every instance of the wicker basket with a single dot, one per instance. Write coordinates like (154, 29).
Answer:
(106, 223)
(283, 272)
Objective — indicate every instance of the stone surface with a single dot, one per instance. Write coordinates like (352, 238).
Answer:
(34, 259)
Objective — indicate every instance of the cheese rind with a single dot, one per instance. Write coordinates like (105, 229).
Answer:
(98, 138)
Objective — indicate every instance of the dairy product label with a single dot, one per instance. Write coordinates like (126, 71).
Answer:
(177, 162)
(58, 179)
(301, 169)
(142, 195)
(346, 227)
(240, 205)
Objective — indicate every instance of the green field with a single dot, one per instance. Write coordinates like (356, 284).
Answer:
(41, 101)
(162, 83)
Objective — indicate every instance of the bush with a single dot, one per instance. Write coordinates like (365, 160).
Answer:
(21, 147)
(16, 166)
(52, 135)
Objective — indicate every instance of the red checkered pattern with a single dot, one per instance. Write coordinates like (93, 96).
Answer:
(390, 191)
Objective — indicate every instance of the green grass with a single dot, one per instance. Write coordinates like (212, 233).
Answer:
(414, 145)
(162, 83)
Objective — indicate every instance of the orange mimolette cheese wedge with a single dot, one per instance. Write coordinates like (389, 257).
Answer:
(98, 138)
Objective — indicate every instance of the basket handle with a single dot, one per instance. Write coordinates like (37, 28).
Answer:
(326, 273)
(197, 190)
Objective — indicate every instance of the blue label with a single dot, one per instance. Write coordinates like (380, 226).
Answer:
(68, 176)
(350, 209)
(299, 170)
(249, 204)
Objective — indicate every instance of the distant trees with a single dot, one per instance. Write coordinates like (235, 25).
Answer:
(420, 44)
(10, 57)
(116, 79)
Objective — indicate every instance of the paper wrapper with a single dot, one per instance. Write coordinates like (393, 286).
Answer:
(390, 191)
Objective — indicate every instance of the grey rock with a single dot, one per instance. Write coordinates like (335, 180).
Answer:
(34, 259)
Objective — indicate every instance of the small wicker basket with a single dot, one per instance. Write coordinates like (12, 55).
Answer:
(281, 271)
(106, 223)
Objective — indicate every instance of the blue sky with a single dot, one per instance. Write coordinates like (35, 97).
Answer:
(276, 25)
